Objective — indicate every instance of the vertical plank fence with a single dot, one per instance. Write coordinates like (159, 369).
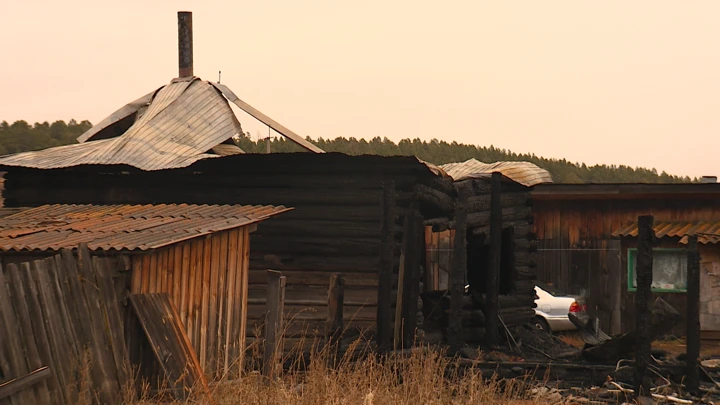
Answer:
(60, 330)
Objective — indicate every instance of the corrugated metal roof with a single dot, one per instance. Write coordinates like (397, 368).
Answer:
(122, 227)
(185, 120)
(707, 231)
(525, 173)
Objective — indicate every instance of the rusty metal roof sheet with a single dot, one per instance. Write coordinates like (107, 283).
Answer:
(122, 227)
(525, 173)
(185, 120)
(707, 231)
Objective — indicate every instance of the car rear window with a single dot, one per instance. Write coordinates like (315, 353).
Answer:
(549, 289)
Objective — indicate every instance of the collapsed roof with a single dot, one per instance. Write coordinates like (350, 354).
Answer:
(525, 173)
(175, 126)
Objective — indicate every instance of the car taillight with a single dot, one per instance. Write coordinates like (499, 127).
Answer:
(575, 307)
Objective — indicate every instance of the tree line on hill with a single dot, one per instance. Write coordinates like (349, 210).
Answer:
(21, 137)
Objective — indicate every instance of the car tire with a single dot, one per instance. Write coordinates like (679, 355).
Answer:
(541, 324)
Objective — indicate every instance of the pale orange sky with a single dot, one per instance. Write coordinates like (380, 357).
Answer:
(615, 82)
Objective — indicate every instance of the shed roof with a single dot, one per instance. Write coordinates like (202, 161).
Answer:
(122, 227)
(707, 231)
(626, 191)
(525, 173)
(182, 123)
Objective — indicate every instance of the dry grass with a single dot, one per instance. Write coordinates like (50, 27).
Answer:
(423, 376)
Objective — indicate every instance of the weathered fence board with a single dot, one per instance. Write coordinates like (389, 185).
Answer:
(161, 323)
(59, 316)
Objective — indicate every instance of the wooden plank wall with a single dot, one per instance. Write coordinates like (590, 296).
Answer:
(576, 247)
(207, 280)
(62, 313)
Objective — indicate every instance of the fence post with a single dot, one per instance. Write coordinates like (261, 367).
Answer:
(493, 274)
(643, 295)
(693, 315)
(334, 325)
(274, 327)
(457, 277)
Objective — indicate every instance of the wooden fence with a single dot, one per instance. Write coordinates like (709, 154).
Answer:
(61, 314)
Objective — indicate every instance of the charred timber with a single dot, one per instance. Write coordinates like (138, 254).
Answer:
(522, 230)
(435, 197)
(459, 270)
(482, 202)
(481, 220)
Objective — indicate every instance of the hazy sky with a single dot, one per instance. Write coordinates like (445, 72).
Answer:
(624, 82)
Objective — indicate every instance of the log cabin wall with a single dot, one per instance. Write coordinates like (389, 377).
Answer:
(579, 255)
(335, 226)
(207, 280)
(518, 257)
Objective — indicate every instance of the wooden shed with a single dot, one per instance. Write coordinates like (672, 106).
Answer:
(587, 244)
(198, 254)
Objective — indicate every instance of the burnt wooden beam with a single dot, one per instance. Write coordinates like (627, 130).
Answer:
(458, 273)
(385, 274)
(482, 219)
(334, 325)
(275, 303)
(643, 295)
(435, 197)
(478, 203)
(413, 256)
(693, 316)
(493, 274)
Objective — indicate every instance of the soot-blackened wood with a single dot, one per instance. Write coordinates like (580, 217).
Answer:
(413, 255)
(275, 303)
(643, 295)
(493, 274)
(479, 203)
(385, 276)
(458, 273)
(334, 323)
(693, 315)
(435, 197)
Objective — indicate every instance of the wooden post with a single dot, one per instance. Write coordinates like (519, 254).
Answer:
(334, 325)
(275, 303)
(457, 277)
(385, 276)
(493, 274)
(399, 301)
(413, 257)
(693, 316)
(643, 296)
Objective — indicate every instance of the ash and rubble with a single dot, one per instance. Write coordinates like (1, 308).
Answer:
(601, 372)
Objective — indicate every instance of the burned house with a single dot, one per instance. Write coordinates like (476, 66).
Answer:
(517, 248)
(587, 244)
(362, 217)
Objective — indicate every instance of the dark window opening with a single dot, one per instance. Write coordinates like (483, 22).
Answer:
(478, 262)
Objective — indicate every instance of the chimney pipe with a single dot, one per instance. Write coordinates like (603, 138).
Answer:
(185, 44)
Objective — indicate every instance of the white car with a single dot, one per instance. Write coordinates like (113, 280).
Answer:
(552, 308)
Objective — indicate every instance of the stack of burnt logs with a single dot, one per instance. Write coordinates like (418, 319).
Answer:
(512, 256)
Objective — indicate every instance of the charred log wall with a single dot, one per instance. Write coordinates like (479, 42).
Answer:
(335, 226)
(518, 259)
